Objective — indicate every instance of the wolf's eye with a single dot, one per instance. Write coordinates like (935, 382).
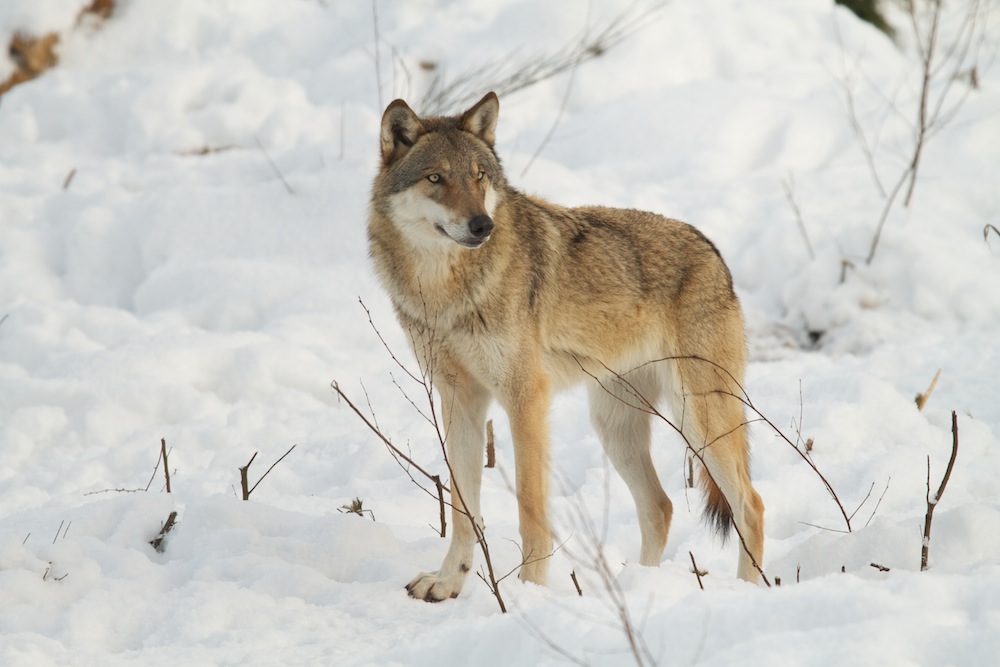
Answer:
(434, 178)
(481, 174)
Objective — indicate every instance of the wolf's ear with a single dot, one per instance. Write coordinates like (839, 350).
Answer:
(400, 130)
(481, 119)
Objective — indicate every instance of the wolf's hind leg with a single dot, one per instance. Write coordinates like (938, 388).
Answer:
(623, 426)
(711, 413)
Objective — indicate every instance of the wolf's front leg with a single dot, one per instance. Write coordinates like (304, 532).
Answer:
(463, 407)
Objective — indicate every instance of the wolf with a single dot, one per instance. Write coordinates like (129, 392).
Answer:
(508, 297)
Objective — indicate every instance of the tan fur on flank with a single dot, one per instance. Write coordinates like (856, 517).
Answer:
(510, 298)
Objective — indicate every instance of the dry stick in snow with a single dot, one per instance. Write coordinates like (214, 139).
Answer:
(505, 76)
(932, 502)
(378, 64)
(555, 123)
(441, 505)
(157, 542)
(244, 482)
(986, 237)
(491, 452)
(274, 167)
(163, 456)
(922, 399)
(789, 187)
(593, 554)
(698, 572)
(398, 454)
(931, 115)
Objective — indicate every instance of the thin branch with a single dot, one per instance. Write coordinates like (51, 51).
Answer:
(444, 519)
(986, 237)
(272, 467)
(274, 166)
(921, 399)
(166, 466)
(398, 453)
(697, 572)
(875, 511)
(378, 65)
(505, 77)
(244, 481)
(865, 500)
(555, 123)
(923, 122)
(788, 185)
(491, 452)
(933, 502)
(168, 525)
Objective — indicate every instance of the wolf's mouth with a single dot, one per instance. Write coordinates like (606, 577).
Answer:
(465, 243)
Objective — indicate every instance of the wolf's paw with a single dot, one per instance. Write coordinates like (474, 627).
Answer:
(434, 587)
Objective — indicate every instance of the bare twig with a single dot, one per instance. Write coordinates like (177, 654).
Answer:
(986, 238)
(593, 556)
(875, 511)
(922, 399)
(274, 166)
(268, 472)
(118, 490)
(378, 64)
(555, 123)
(863, 501)
(491, 452)
(244, 481)
(60, 530)
(69, 178)
(932, 113)
(166, 466)
(576, 584)
(441, 505)
(698, 573)
(788, 185)
(168, 525)
(396, 451)
(505, 77)
(932, 502)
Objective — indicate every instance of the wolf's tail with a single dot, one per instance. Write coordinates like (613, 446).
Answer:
(718, 512)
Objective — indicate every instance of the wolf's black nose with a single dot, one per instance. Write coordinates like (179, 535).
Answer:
(481, 226)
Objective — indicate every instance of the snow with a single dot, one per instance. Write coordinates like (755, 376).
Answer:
(160, 279)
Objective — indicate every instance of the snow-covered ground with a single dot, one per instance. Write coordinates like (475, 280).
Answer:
(160, 279)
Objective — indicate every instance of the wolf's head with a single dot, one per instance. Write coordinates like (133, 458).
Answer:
(440, 178)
